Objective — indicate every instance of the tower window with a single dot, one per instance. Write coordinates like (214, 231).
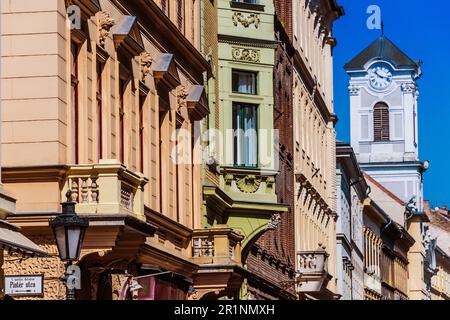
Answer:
(381, 122)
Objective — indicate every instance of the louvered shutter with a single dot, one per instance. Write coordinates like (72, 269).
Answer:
(381, 122)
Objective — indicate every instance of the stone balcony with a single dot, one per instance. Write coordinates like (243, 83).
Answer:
(106, 188)
(216, 245)
(312, 269)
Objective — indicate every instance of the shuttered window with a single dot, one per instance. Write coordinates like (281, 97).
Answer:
(381, 122)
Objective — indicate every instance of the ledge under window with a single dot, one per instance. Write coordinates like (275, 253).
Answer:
(247, 6)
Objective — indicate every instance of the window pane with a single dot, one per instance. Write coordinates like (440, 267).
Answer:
(245, 135)
(244, 82)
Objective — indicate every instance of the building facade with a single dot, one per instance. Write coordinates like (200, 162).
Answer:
(439, 249)
(104, 98)
(314, 147)
(352, 190)
(239, 186)
(388, 243)
(384, 134)
(384, 117)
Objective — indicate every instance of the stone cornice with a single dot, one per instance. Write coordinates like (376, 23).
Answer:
(34, 173)
(165, 223)
(251, 42)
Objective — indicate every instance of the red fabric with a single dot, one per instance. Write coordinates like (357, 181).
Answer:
(157, 289)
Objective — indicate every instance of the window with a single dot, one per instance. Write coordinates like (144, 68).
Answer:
(74, 104)
(122, 85)
(141, 132)
(381, 122)
(99, 111)
(245, 135)
(244, 82)
(164, 6)
(180, 15)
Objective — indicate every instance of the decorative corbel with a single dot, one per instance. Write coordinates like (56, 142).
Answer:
(105, 23)
(145, 61)
(182, 94)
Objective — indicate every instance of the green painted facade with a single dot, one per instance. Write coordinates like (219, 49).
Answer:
(245, 199)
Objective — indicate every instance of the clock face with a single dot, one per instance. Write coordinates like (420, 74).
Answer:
(380, 77)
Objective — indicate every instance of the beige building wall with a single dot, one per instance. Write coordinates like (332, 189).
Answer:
(314, 133)
(48, 147)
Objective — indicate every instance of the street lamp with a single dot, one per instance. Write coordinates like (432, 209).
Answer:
(68, 229)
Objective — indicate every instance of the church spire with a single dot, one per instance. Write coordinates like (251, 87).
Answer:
(382, 28)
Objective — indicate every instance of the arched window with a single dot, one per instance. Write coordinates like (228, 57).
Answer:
(381, 122)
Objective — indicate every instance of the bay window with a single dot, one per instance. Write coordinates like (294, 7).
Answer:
(245, 135)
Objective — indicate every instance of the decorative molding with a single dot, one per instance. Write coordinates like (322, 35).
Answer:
(145, 60)
(409, 87)
(275, 220)
(248, 184)
(244, 54)
(354, 90)
(242, 41)
(105, 23)
(245, 19)
(182, 94)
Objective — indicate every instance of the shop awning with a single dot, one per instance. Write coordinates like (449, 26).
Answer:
(13, 241)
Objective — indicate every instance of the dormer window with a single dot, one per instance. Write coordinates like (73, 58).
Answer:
(381, 122)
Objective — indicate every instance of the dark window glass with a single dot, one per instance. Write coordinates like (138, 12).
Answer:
(245, 135)
(244, 82)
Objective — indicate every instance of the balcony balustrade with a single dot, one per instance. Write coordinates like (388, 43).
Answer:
(216, 245)
(106, 188)
(312, 270)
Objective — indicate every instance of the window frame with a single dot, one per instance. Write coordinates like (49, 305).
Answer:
(255, 81)
(381, 124)
(74, 53)
(240, 107)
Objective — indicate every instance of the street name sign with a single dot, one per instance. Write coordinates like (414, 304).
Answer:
(22, 286)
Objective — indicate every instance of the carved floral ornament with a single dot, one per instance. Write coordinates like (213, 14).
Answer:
(247, 55)
(105, 23)
(245, 19)
(145, 61)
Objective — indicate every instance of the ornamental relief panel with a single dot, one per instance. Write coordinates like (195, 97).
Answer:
(246, 55)
(245, 20)
(248, 184)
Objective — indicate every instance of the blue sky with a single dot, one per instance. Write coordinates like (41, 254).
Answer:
(424, 35)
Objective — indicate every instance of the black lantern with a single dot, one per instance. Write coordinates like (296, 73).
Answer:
(69, 230)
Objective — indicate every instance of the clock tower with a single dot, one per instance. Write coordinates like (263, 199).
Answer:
(383, 117)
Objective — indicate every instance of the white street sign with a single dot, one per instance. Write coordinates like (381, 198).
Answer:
(29, 285)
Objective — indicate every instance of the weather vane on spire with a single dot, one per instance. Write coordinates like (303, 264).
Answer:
(382, 28)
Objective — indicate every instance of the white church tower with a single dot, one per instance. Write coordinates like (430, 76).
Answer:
(383, 110)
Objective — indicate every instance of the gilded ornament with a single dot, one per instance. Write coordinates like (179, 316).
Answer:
(247, 55)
